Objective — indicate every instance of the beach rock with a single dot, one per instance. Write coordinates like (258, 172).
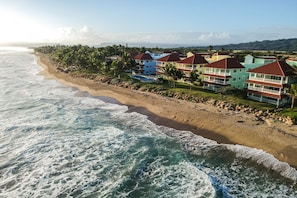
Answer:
(269, 121)
(289, 121)
(212, 102)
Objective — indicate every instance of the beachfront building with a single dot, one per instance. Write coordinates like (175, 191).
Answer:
(171, 58)
(218, 56)
(145, 64)
(270, 83)
(225, 72)
(192, 63)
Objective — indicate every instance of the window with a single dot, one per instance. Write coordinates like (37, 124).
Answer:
(234, 71)
(234, 79)
(259, 76)
(275, 77)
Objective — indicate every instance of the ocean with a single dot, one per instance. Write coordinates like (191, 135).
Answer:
(57, 141)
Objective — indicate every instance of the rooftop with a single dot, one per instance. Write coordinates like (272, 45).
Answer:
(277, 68)
(195, 59)
(227, 63)
(143, 56)
(173, 57)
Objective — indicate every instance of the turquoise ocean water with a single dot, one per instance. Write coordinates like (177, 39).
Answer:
(56, 141)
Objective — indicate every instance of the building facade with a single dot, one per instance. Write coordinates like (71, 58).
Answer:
(145, 64)
(196, 62)
(270, 83)
(225, 72)
(171, 58)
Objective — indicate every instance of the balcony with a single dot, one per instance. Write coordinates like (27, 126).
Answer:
(264, 90)
(216, 81)
(263, 99)
(217, 73)
(186, 68)
(268, 80)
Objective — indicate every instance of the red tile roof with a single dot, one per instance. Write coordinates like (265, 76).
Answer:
(277, 68)
(143, 56)
(227, 63)
(195, 59)
(173, 57)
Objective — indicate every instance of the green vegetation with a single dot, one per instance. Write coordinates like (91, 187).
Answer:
(292, 113)
(293, 93)
(278, 45)
(113, 64)
(111, 60)
(172, 74)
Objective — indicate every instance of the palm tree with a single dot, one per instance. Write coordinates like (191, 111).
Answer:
(293, 93)
(172, 74)
(210, 47)
(117, 67)
(169, 71)
(176, 74)
(193, 77)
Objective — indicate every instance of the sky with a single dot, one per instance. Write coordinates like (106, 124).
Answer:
(155, 22)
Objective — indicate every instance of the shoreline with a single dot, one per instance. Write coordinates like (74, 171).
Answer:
(222, 126)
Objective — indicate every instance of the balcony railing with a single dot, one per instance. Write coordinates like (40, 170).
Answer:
(217, 73)
(186, 68)
(262, 89)
(261, 99)
(221, 82)
(268, 80)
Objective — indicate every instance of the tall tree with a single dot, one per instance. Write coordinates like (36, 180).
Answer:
(210, 48)
(167, 71)
(193, 77)
(172, 74)
(293, 93)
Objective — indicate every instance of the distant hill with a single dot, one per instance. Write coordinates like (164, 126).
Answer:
(274, 45)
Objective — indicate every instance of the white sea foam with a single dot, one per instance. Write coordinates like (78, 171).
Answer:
(180, 180)
(264, 158)
(199, 145)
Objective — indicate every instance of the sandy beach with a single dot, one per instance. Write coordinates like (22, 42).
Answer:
(222, 126)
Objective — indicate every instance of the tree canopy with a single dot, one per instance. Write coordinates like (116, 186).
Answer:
(111, 60)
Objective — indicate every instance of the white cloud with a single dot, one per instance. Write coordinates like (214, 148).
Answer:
(214, 38)
(70, 35)
(88, 36)
(180, 38)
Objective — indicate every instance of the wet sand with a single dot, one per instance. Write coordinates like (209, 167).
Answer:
(222, 126)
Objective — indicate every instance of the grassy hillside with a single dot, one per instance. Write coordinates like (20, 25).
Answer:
(277, 45)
